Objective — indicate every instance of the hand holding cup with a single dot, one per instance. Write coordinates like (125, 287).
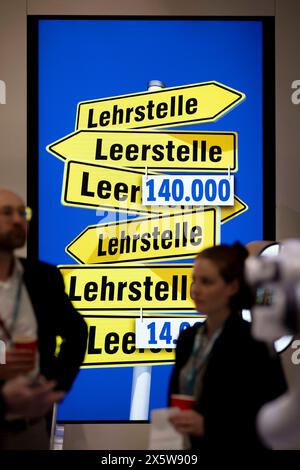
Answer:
(183, 402)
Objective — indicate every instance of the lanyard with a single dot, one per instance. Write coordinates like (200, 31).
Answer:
(7, 332)
(196, 362)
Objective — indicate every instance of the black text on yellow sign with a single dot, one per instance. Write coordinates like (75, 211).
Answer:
(112, 343)
(169, 236)
(118, 189)
(171, 151)
(198, 102)
(129, 287)
(90, 186)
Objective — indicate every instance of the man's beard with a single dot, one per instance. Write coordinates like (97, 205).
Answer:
(14, 239)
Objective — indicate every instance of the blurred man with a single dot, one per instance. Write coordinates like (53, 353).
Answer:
(33, 305)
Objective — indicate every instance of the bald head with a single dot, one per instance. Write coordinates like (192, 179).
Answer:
(12, 221)
(7, 196)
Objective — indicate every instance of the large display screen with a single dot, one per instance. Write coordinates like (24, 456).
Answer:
(130, 180)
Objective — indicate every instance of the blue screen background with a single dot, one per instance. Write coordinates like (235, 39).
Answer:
(85, 59)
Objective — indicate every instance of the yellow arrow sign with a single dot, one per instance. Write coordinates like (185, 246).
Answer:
(111, 343)
(170, 236)
(198, 102)
(118, 189)
(129, 287)
(172, 151)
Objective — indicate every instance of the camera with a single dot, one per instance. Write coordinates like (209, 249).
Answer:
(275, 281)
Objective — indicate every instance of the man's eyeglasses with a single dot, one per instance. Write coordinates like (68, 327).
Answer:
(24, 213)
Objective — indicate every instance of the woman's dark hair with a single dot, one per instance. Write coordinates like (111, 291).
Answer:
(230, 260)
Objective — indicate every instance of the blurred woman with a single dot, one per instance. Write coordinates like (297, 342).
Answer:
(229, 373)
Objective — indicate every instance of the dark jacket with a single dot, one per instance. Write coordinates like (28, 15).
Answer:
(241, 375)
(55, 317)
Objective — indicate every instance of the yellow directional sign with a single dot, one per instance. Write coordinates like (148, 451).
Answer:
(118, 189)
(171, 151)
(169, 236)
(229, 212)
(112, 343)
(198, 102)
(129, 287)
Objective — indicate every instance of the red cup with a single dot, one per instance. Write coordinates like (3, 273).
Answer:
(183, 402)
(27, 343)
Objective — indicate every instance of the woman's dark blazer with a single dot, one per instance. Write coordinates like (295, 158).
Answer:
(241, 375)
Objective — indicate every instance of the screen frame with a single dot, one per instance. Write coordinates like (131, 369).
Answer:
(268, 107)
